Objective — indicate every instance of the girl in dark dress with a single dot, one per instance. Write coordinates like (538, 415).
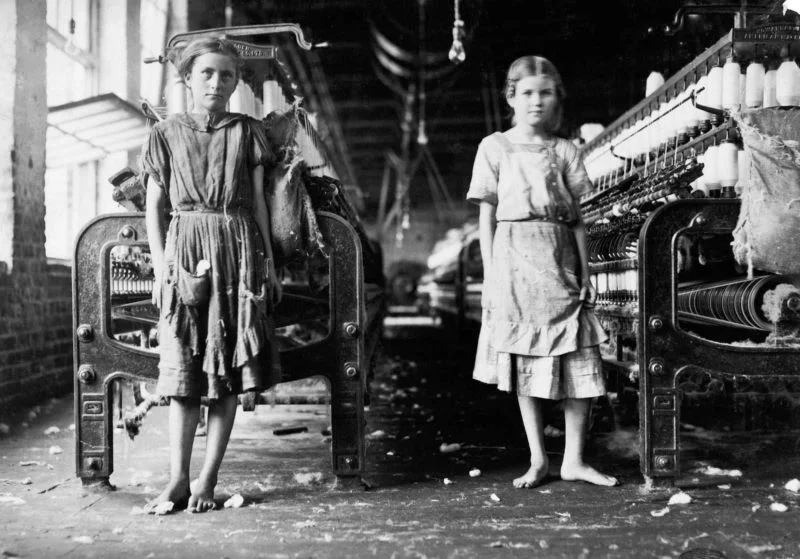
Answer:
(214, 271)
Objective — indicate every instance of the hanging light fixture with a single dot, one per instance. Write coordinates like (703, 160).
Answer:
(457, 54)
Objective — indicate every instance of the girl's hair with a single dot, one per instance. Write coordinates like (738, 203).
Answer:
(205, 45)
(527, 66)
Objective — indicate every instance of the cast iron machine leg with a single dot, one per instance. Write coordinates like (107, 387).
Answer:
(100, 359)
(666, 351)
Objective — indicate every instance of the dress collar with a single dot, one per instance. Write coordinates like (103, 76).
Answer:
(544, 145)
(208, 122)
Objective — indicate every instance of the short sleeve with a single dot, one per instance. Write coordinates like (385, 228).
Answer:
(485, 174)
(575, 174)
(155, 160)
(260, 152)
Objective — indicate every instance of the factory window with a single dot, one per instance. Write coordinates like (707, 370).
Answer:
(153, 38)
(70, 188)
(71, 201)
(71, 60)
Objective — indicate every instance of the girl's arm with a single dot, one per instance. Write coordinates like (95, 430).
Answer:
(487, 222)
(588, 293)
(262, 222)
(156, 238)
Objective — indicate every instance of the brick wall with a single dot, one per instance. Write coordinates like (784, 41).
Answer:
(35, 335)
(29, 367)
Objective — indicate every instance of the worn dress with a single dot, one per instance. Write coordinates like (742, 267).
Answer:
(215, 332)
(537, 338)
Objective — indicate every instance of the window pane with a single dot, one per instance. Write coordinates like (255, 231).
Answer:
(153, 36)
(52, 13)
(67, 80)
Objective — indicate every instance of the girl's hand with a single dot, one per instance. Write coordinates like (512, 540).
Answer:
(156, 294)
(588, 294)
(274, 283)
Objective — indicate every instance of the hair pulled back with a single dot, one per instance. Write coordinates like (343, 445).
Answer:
(527, 66)
(205, 45)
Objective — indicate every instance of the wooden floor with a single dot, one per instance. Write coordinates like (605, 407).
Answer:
(416, 501)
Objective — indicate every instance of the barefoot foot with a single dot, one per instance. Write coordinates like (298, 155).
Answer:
(202, 498)
(533, 477)
(176, 492)
(584, 472)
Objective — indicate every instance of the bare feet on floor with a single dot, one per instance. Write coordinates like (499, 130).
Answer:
(202, 498)
(584, 472)
(532, 477)
(176, 492)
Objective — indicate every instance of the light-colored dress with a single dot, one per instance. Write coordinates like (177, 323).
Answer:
(537, 337)
(215, 334)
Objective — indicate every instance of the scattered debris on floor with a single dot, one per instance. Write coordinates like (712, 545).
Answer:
(234, 502)
(680, 498)
(446, 448)
(793, 485)
(308, 478)
(660, 512)
(714, 471)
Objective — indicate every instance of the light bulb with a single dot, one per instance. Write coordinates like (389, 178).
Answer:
(457, 54)
(422, 137)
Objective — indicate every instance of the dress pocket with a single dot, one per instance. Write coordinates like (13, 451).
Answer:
(193, 289)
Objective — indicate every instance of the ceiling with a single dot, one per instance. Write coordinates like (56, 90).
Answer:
(604, 50)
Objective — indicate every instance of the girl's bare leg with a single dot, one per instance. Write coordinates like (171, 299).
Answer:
(221, 414)
(531, 411)
(573, 468)
(183, 416)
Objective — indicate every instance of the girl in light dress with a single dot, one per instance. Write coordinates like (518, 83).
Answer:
(539, 337)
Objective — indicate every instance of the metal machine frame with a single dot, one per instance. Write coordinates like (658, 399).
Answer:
(343, 357)
(667, 352)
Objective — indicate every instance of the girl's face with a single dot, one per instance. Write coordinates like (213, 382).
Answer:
(535, 102)
(212, 82)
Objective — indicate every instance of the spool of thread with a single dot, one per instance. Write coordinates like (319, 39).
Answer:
(754, 85)
(272, 96)
(700, 97)
(770, 85)
(236, 103)
(654, 81)
(787, 84)
(713, 96)
(727, 164)
(731, 84)
(699, 188)
(691, 117)
(710, 177)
